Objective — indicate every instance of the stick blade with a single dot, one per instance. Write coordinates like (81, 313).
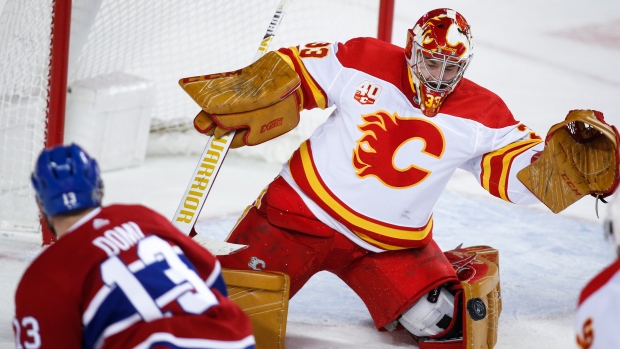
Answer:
(216, 247)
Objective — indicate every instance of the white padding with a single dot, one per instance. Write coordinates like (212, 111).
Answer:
(423, 316)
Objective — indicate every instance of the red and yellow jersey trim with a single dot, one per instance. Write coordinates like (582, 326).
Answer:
(312, 95)
(496, 167)
(379, 234)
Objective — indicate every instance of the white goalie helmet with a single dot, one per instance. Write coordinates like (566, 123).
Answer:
(439, 50)
(611, 225)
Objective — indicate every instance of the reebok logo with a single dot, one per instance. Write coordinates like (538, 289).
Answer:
(273, 123)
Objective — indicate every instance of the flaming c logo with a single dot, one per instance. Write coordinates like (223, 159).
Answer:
(440, 34)
(384, 134)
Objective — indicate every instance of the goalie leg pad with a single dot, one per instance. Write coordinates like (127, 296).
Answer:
(482, 302)
(479, 298)
(263, 296)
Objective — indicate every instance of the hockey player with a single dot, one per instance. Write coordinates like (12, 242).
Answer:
(120, 276)
(598, 309)
(356, 199)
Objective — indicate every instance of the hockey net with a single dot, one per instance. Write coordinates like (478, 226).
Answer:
(159, 41)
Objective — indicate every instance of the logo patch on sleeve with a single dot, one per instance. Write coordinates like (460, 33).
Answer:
(367, 93)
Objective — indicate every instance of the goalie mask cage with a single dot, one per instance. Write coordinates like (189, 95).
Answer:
(48, 46)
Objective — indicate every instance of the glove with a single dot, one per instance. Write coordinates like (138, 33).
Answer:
(581, 157)
(260, 100)
(253, 127)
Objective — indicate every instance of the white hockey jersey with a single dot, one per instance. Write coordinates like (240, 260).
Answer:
(375, 169)
(598, 311)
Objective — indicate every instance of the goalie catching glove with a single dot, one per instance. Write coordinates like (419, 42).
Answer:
(580, 157)
(260, 101)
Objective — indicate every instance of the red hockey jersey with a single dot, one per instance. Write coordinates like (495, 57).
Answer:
(125, 277)
(375, 169)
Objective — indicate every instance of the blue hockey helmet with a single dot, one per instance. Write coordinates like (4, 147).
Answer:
(66, 179)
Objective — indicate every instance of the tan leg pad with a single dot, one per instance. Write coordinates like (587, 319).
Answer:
(482, 301)
(478, 269)
(263, 296)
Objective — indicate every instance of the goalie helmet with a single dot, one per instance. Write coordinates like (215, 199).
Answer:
(611, 224)
(439, 50)
(66, 179)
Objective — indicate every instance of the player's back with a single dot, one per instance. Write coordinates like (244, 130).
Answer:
(123, 276)
(597, 316)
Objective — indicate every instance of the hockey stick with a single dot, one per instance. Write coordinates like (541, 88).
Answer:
(209, 165)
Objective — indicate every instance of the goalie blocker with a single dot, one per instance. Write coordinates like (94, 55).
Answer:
(259, 101)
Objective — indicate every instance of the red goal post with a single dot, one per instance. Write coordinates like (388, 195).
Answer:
(50, 47)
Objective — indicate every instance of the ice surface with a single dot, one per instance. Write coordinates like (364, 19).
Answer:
(543, 58)
(545, 258)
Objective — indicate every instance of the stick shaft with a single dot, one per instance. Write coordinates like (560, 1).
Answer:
(215, 151)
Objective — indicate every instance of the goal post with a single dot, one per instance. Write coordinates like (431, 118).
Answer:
(386, 20)
(56, 52)
(25, 58)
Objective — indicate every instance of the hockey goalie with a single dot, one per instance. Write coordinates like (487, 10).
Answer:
(356, 199)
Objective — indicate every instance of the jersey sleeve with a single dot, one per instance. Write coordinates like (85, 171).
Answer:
(317, 67)
(502, 153)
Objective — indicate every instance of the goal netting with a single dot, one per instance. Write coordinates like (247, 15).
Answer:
(157, 41)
